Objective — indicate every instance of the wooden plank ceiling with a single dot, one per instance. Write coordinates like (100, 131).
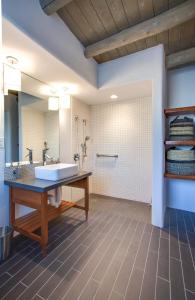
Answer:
(94, 20)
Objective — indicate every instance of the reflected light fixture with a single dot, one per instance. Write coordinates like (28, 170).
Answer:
(53, 103)
(113, 97)
(12, 75)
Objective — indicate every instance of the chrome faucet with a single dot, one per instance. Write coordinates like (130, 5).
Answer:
(44, 153)
(30, 155)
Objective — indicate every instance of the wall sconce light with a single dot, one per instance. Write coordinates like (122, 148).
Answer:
(53, 103)
(65, 101)
(61, 100)
(12, 75)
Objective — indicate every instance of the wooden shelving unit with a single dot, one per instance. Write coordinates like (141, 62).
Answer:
(32, 221)
(179, 111)
(180, 143)
(185, 177)
(174, 112)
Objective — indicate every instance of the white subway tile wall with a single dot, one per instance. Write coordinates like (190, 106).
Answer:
(123, 128)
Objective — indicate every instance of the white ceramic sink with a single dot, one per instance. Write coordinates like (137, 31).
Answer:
(56, 171)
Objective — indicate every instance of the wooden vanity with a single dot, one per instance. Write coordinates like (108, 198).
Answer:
(33, 193)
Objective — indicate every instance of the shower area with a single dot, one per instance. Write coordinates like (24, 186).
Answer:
(114, 141)
(122, 149)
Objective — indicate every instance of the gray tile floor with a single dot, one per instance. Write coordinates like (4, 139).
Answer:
(117, 255)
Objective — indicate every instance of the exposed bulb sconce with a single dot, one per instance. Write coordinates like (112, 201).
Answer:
(12, 75)
(53, 103)
(60, 100)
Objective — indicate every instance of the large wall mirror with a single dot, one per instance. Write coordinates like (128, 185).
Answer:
(29, 124)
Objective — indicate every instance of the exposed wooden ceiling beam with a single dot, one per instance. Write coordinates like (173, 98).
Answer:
(180, 58)
(160, 23)
(51, 6)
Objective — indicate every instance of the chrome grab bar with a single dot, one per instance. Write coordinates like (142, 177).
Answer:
(107, 155)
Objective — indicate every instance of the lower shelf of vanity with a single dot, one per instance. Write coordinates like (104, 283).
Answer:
(32, 221)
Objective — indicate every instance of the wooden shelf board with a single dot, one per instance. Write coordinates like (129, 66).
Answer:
(174, 176)
(179, 111)
(32, 221)
(180, 143)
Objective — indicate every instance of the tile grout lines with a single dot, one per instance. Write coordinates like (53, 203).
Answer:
(170, 295)
(113, 260)
(130, 243)
(19, 253)
(134, 262)
(108, 265)
(65, 232)
(189, 243)
(90, 258)
(193, 223)
(155, 289)
(190, 291)
(41, 261)
(58, 256)
(145, 264)
(181, 260)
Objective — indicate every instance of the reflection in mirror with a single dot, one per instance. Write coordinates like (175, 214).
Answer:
(29, 124)
(11, 128)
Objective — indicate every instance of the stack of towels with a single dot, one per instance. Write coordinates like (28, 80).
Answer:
(55, 197)
(181, 129)
(181, 160)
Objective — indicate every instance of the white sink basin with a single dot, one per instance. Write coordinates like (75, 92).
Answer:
(56, 171)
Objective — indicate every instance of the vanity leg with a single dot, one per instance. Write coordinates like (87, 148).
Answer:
(86, 197)
(44, 224)
(12, 207)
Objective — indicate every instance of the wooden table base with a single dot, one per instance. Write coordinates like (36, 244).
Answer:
(43, 213)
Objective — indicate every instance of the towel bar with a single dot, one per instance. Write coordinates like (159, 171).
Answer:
(107, 155)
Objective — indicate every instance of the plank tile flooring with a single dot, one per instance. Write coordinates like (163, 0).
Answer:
(117, 255)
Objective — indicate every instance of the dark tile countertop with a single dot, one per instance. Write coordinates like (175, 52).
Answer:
(39, 185)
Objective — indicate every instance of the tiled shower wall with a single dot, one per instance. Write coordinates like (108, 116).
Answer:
(123, 128)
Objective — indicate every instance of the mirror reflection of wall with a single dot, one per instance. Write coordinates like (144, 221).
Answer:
(29, 124)
(11, 128)
(37, 125)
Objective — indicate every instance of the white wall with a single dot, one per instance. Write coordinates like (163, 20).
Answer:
(181, 92)
(145, 65)
(123, 128)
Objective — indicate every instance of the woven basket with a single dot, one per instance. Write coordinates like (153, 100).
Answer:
(181, 128)
(181, 137)
(180, 168)
(181, 155)
(179, 131)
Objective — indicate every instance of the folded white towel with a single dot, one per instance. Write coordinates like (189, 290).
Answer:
(55, 197)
